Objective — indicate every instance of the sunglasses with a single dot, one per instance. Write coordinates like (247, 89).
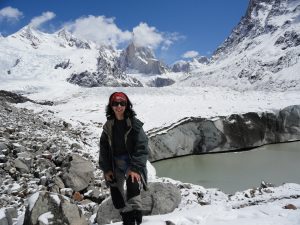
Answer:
(118, 103)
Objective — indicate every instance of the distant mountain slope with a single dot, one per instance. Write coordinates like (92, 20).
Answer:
(262, 52)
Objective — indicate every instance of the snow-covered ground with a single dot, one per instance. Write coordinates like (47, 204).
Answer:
(158, 107)
(267, 208)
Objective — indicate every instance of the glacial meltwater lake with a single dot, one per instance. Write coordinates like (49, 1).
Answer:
(236, 171)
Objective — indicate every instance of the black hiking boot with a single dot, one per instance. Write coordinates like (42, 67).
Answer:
(128, 218)
(138, 216)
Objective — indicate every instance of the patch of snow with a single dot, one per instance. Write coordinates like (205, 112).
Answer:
(55, 198)
(32, 200)
(45, 217)
(2, 214)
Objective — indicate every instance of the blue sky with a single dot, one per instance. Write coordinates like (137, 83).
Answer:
(175, 29)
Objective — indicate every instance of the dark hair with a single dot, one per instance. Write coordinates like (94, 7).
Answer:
(129, 112)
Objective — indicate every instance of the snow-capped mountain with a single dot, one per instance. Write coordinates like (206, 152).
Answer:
(142, 60)
(262, 52)
(61, 56)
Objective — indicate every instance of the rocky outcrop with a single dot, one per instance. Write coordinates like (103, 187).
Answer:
(181, 66)
(235, 132)
(64, 65)
(95, 79)
(188, 66)
(161, 198)
(50, 208)
(17, 98)
(160, 82)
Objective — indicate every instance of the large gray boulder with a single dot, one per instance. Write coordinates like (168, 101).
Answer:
(51, 208)
(78, 173)
(235, 132)
(7, 215)
(161, 198)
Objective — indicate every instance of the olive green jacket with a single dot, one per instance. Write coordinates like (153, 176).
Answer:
(136, 143)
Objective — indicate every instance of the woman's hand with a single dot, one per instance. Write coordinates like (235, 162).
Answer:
(109, 176)
(134, 176)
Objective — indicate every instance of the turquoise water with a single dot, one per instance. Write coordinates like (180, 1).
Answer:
(231, 172)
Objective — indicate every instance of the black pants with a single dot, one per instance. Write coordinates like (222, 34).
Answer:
(129, 199)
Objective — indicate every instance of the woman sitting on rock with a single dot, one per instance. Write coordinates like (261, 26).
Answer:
(123, 156)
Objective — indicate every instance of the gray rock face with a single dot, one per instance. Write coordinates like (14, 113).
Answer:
(63, 65)
(141, 59)
(289, 39)
(161, 82)
(79, 173)
(181, 66)
(198, 135)
(161, 198)
(49, 208)
(188, 66)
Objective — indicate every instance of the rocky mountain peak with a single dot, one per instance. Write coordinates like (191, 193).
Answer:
(143, 52)
(30, 34)
(71, 40)
(63, 33)
(141, 59)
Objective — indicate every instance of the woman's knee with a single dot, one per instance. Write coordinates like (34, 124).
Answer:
(133, 188)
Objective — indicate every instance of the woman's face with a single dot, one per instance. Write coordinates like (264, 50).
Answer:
(119, 108)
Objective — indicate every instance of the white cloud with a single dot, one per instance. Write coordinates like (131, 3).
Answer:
(104, 31)
(10, 14)
(190, 54)
(99, 29)
(146, 36)
(39, 20)
(170, 38)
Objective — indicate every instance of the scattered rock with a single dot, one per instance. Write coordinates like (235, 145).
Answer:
(77, 196)
(168, 222)
(290, 206)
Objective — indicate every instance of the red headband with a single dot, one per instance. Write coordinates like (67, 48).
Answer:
(118, 96)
